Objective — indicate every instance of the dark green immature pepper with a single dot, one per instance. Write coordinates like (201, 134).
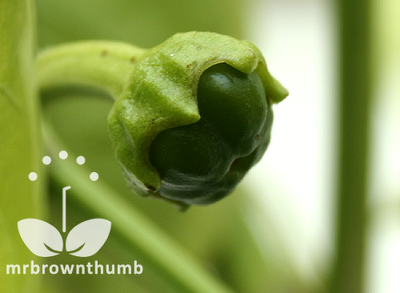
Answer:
(191, 115)
(203, 162)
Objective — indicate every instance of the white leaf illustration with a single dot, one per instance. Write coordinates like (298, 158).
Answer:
(86, 238)
(39, 236)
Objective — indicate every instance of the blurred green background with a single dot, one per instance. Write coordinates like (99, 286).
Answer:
(320, 212)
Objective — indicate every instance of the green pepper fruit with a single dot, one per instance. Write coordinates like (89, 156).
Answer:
(195, 117)
(191, 115)
(203, 162)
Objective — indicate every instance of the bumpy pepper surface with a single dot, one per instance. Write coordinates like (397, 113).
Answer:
(195, 118)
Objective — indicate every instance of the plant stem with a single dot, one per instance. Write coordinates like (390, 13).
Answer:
(180, 270)
(354, 114)
(101, 64)
(20, 141)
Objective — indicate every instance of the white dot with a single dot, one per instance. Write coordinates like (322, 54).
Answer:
(63, 155)
(94, 176)
(32, 176)
(46, 160)
(80, 160)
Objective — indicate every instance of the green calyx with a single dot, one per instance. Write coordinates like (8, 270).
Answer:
(163, 95)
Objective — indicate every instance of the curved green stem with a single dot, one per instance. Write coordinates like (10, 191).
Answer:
(101, 64)
(161, 253)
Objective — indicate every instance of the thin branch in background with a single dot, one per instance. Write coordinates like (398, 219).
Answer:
(354, 125)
